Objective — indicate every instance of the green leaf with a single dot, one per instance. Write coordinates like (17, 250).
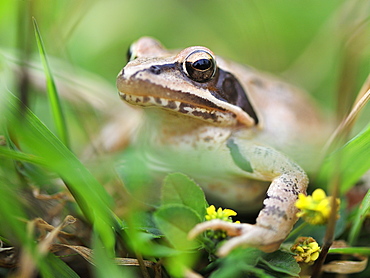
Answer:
(241, 270)
(146, 245)
(134, 173)
(175, 221)
(179, 264)
(179, 189)
(241, 263)
(281, 262)
(54, 100)
(143, 221)
(245, 262)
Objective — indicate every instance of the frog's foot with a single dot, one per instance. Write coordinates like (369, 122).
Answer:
(244, 235)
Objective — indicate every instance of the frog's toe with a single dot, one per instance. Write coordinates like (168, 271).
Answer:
(232, 229)
(258, 237)
(244, 235)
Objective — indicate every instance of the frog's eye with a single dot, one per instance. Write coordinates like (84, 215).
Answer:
(131, 54)
(200, 66)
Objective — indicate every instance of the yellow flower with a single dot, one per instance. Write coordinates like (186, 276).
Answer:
(315, 209)
(307, 250)
(223, 214)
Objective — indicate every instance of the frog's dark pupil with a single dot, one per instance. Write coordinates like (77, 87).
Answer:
(202, 64)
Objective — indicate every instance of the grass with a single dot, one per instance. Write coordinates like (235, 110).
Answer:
(46, 172)
(56, 108)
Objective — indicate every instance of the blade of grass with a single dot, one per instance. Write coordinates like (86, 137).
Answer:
(361, 214)
(90, 195)
(5, 152)
(13, 219)
(56, 108)
(363, 98)
(354, 161)
(105, 266)
(344, 167)
(12, 213)
(55, 267)
(351, 250)
(354, 155)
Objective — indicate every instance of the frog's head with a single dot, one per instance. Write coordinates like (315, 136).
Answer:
(188, 82)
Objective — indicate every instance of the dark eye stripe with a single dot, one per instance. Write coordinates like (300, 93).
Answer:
(229, 89)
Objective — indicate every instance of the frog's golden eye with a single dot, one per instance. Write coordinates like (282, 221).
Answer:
(200, 66)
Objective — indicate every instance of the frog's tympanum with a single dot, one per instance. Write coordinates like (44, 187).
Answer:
(243, 136)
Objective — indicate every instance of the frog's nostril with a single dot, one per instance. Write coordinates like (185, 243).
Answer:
(122, 72)
(155, 69)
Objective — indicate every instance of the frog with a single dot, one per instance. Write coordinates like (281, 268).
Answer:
(246, 137)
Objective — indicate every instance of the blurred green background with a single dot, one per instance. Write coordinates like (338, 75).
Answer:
(322, 46)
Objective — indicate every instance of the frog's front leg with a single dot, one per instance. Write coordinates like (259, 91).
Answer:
(278, 216)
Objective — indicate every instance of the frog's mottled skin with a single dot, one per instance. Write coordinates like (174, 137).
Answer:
(237, 132)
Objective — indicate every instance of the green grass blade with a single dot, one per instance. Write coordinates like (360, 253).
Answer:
(354, 161)
(8, 153)
(37, 139)
(351, 250)
(105, 267)
(12, 212)
(361, 214)
(56, 108)
(55, 267)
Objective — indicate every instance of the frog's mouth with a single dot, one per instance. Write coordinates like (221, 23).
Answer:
(209, 115)
(207, 108)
